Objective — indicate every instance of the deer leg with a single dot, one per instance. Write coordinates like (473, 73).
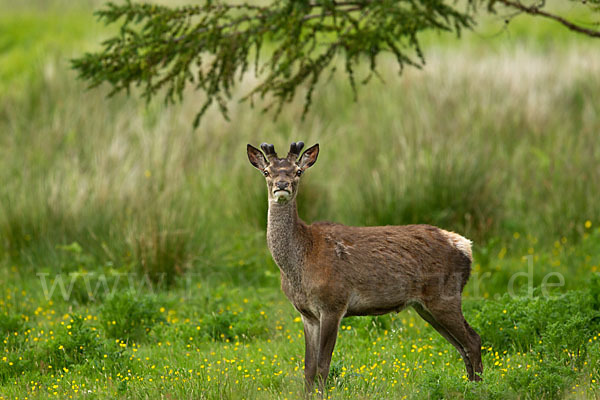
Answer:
(453, 321)
(476, 354)
(329, 325)
(438, 327)
(311, 340)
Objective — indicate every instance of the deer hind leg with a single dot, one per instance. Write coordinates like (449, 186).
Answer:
(476, 356)
(449, 316)
(424, 313)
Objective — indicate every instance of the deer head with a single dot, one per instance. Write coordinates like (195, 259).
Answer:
(282, 174)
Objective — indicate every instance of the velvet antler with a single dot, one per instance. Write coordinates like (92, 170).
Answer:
(269, 150)
(295, 149)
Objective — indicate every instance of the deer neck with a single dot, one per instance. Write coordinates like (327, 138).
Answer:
(287, 238)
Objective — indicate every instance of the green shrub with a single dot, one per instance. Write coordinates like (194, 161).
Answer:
(75, 342)
(10, 323)
(547, 381)
(130, 315)
(14, 346)
(542, 323)
(229, 325)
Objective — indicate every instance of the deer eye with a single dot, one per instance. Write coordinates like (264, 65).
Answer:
(299, 172)
(266, 173)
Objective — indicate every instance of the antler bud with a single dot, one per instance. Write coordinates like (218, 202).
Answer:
(295, 149)
(269, 150)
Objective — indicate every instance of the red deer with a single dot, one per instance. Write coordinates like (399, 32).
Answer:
(331, 271)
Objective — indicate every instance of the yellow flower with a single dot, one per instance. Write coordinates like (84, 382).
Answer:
(588, 224)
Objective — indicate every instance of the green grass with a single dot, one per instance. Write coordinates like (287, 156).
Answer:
(156, 232)
(226, 341)
(32, 39)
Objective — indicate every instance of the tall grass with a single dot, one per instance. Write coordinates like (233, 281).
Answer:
(484, 142)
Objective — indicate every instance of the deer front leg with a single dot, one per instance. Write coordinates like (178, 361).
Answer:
(329, 325)
(311, 340)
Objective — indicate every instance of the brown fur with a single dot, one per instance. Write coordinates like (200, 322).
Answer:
(331, 271)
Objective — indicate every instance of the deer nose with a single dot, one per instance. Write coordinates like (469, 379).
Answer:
(282, 185)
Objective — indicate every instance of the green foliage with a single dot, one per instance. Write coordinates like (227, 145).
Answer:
(441, 386)
(547, 382)
(130, 315)
(77, 259)
(225, 315)
(541, 323)
(75, 342)
(9, 324)
(230, 326)
(15, 364)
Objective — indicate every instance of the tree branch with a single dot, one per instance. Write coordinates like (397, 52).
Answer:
(533, 10)
(210, 47)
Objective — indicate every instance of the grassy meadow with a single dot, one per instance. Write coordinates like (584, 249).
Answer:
(133, 259)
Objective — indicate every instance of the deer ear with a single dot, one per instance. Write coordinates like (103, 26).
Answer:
(256, 157)
(309, 157)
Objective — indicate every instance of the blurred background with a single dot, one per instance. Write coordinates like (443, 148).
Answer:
(495, 138)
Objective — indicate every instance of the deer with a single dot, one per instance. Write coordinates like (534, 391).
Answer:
(331, 271)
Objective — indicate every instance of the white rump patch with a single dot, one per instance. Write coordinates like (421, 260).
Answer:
(460, 242)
